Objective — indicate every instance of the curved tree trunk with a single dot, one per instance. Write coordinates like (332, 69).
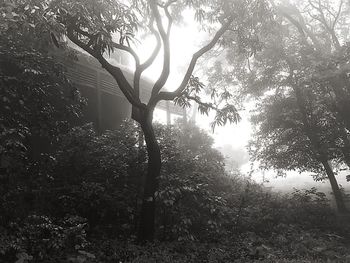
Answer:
(151, 183)
(339, 200)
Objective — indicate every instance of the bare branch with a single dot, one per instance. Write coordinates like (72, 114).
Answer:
(129, 50)
(141, 68)
(116, 72)
(309, 33)
(171, 95)
(166, 47)
(322, 19)
(294, 22)
(170, 2)
(170, 19)
(156, 50)
(300, 25)
(336, 17)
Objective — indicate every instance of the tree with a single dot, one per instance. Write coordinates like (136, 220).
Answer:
(313, 55)
(304, 65)
(93, 26)
(284, 142)
(326, 90)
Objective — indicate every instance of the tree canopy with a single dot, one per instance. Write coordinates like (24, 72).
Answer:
(94, 26)
(300, 80)
(71, 194)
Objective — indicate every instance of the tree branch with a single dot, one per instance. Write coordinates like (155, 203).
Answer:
(128, 50)
(300, 25)
(82, 32)
(171, 95)
(322, 19)
(336, 17)
(156, 50)
(170, 19)
(165, 35)
(116, 72)
(140, 68)
(197, 99)
(294, 22)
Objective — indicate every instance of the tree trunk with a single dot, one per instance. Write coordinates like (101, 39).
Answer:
(339, 200)
(346, 148)
(346, 155)
(342, 98)
(318, 151)
(151, 183)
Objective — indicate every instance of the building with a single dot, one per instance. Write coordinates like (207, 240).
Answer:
(106, 105)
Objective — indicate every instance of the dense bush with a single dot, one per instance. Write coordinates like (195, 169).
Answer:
(42, 238)
(96, 179)
(101, 177)
(37, 105)
(72, 195)
(204, 213)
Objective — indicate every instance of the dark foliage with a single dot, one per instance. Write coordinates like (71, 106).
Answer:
(72, 195)
(38, 104)
(92, 200)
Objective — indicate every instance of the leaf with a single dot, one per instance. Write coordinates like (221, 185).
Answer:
(87, 254)
(203, 109)
(54, 40)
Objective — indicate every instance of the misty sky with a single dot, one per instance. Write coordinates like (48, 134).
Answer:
(231, 139)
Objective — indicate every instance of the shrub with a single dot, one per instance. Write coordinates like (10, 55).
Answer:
(42, 238)
(37, 105)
